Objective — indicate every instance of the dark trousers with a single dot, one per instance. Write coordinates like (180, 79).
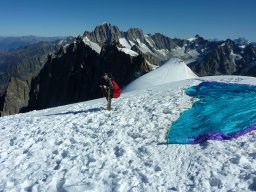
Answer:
(105, 93)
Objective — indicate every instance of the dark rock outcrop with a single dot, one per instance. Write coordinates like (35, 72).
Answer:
(226, 58)
(248, 61)
(104, 34)
(135, 33)
(15, 98)
(163, 42)
(249, 53)
(24, 62)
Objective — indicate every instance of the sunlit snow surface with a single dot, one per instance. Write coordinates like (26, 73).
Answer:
(173, 70)
(83, 147)
(91, 44)
(224, 111)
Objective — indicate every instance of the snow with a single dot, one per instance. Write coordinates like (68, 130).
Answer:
(181, 52)
(153, 67)
(124, 43)
(83, 147)
(163, 52)
(178, 51)
(173, 70)
(131, 42)
(144, 48)
(93, 45)
(60, 42)
(150, 41)
(235, 56)
(128, 51)
(66, 45)
(223, 44)
(193, 53)
(192, 39)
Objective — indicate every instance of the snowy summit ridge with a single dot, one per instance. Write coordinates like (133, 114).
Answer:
(173, 70)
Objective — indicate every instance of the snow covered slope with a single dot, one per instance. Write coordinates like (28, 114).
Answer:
(173, 70)
(83, 147)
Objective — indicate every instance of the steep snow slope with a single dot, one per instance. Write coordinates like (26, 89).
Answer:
(173, 70)
(93, 45)
(83, 147)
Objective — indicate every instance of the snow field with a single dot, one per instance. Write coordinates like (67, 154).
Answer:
(173, 70)
(83, 147)
(91, 44)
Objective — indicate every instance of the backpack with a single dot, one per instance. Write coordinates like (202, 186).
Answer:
(117, 90)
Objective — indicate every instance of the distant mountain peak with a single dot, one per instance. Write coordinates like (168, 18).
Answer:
(105, 33)
(135, 33)
(106, 25)
(241, 41)
(196, 38)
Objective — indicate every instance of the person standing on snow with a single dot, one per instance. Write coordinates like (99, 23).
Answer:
(107, 89)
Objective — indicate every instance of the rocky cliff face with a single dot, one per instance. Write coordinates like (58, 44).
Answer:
(163, 42)
(24, 62)
(225, 58)
(155, 48)
(15, 98)
(248, 61)
(105, 33)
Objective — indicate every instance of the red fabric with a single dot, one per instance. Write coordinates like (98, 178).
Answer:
(117, 90)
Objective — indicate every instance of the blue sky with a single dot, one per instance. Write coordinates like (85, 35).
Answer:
(219, 19)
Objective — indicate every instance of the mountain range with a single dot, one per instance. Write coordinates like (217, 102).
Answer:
(26, 61)
(72, 73)
(10, 43)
